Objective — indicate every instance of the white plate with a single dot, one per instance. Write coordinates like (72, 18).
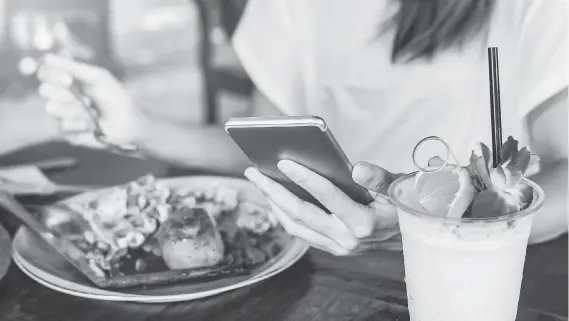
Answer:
(5, 253)
(76, 289)
(33, 256)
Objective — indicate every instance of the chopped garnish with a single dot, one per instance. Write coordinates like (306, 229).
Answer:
(203, 225)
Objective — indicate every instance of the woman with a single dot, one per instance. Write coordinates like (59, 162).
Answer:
(383, 74)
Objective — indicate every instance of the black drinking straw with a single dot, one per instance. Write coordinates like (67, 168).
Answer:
(495, 109)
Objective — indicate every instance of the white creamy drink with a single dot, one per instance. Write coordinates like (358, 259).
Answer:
(463, 271)
(464, 247)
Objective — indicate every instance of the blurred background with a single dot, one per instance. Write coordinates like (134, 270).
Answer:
(173, 55)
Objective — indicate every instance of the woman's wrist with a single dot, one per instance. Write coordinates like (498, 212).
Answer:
(129, 128)
(142, 129)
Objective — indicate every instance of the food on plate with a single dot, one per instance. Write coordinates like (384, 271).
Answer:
(254, 218)
(190, 238)
(145, 227)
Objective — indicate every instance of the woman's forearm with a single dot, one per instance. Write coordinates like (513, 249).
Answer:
(551, 219)
(192, 146)
(198, 146)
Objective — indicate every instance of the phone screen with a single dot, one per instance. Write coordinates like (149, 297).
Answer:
(305, 144)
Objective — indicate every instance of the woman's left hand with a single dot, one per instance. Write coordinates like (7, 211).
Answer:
(352, 227)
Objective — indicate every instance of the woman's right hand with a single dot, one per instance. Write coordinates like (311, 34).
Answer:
(118, 118)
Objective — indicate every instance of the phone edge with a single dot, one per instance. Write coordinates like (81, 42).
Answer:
(344, 156)
(275, 121)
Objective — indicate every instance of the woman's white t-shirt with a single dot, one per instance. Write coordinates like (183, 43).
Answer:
(328, 58)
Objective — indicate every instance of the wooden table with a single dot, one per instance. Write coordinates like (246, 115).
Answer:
(319, 287)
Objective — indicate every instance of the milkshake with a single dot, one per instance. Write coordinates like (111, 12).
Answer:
(463, 262)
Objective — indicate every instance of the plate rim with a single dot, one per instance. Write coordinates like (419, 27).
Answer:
(7, 257)
(166, 181)
(300, 246)
(164, 298)
(20, 264)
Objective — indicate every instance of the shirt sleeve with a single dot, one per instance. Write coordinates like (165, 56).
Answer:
(543, 52)
(266, 46)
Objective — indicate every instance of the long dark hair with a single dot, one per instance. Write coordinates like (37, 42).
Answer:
(422, 27)
(425, 27)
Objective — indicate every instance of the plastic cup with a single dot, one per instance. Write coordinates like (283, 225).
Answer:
(462, 269)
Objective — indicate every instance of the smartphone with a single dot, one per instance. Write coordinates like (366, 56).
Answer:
(305, 140)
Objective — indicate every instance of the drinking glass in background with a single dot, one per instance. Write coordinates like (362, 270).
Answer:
(462, 269)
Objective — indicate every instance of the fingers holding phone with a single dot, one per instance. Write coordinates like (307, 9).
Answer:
(350, 228)
(315, 192)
